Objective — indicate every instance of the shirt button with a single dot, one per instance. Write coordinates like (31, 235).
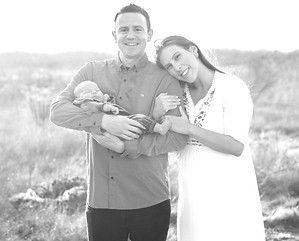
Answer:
(112, 157)
(111, 178)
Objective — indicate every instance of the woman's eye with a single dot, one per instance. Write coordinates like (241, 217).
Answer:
(176, 57)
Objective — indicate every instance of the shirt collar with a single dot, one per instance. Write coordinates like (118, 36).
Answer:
(136, 67)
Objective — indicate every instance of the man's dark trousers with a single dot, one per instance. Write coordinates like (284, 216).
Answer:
(144, 224)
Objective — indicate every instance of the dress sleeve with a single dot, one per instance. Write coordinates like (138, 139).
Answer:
(237, 108)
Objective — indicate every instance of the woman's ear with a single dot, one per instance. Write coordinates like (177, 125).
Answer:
(193, 50)
(149, 35)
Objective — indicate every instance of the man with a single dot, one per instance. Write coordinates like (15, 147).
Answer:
(128, 193)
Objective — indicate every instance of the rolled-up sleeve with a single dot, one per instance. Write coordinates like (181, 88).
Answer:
(155, 144)
(62, 111)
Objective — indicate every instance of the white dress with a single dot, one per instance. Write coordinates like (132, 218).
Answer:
(218, 193)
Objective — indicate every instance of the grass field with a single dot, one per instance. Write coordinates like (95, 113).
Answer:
(33, 150)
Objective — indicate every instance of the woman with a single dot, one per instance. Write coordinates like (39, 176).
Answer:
(218, 193)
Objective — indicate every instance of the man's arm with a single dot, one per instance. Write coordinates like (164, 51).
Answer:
(64, 113)
(155, 144)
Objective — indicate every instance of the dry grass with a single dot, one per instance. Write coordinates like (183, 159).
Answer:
(32, 150)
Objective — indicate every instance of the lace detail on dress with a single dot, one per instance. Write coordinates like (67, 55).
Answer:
(197, 113)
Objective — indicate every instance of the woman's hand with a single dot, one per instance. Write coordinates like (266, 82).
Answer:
(164, 103)
(180, 124)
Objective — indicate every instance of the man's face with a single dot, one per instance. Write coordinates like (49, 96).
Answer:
(131, 35)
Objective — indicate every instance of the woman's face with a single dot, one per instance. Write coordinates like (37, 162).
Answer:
(182, 64)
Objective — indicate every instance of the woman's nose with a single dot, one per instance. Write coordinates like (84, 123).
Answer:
(177, 67)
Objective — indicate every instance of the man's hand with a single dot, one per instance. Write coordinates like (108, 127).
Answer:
(122, 126)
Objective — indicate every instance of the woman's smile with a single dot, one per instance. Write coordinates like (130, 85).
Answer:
(185, 72)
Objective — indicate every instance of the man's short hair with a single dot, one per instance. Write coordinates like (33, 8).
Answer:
(132, 8)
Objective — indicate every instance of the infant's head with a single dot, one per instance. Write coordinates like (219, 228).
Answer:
(86, 88)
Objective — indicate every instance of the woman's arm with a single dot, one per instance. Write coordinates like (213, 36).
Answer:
(216, 141)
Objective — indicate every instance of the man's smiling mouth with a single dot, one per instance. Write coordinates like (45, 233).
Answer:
(131, 44)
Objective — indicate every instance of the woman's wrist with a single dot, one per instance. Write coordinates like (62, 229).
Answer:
(189, 129)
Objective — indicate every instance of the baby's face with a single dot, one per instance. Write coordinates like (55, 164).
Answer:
(91, 93)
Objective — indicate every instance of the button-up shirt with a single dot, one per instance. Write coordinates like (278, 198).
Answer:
(137, 178)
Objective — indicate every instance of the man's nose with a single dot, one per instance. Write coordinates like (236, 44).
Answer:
(130, 34)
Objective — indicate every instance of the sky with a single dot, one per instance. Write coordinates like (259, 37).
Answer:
(53, 26)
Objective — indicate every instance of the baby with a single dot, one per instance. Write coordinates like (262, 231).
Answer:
(91, 99)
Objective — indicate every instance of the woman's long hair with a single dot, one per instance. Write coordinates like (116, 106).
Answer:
(184, 43)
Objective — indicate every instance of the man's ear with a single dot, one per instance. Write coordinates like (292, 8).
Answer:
(149, 35)
(114, 35)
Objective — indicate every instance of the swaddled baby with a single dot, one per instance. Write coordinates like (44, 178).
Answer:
(91, 99)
